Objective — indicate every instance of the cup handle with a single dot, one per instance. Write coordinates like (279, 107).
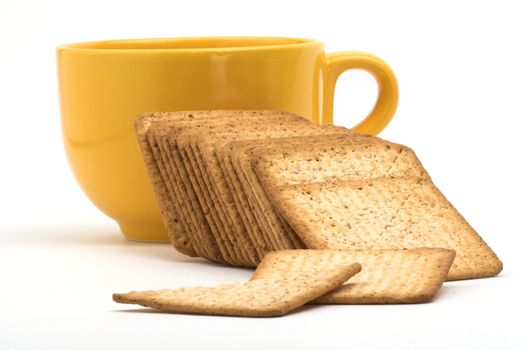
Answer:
(385, 107)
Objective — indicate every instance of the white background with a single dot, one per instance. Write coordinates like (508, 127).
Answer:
(461, 71)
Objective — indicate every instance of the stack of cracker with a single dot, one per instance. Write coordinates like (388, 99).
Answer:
(233, 186)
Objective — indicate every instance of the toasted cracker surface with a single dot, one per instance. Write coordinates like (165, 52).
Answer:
(209, 235)
(385, 213)
(265, 297)
(223, 204)
(390, 276)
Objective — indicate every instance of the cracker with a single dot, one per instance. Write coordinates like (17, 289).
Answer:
(175, 230)
(191, 180)
(263, 211)
(205, 146)
(210, 146)
(173, 199)
(211, 178)
(171, 166)
(264, 297)
(201, 234)
(391, 276)
(325, 141)
(384, 213)
(211, 236)
(338, 159)
(194, 192)
(170, 207)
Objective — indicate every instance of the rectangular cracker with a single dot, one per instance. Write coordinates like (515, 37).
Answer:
(208, 146)
(264, 297)
(335, 151)
(338, 159)
(184, 120)
(169, 209)
(384, 213)
(170, 163)
(211, 174)
(245, 190)
(210, 204)
(173, 200)
(264, 212)
(389, 276)
(229, 251)
(171, 133)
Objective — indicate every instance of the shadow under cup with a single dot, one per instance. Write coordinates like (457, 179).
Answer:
(105, 85)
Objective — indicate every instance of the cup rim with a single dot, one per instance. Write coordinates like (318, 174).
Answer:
(198, 44)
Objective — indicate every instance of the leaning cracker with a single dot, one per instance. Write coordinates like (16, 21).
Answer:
(203, 240)
(203, 147)
(206, 236)
(267, 217)
(190, 209)
(325, 153)
(265, 297)
(208, 204)
(211, 147)
(170, 211)
(389, 276)
(173, 139)
(176, 232)
(339, 159)
(385, 213)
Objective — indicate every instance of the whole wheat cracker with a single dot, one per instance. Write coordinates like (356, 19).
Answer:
(216, 180)
(337, 159)
(193, 212)
(309, 147)
(216, 226)
(243, 188)
(179, 238)
(384, 213)
(174, 200)
(210, 175)
(244, 207)
(264, 212)
(169, 163)
(388, 276)
(170, 210)
(211, 145)
(260, 298)
(229, 118)
(244, 149)
(168, 132)
(234, 235)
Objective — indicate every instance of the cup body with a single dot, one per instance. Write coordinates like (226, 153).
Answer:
(105, 85)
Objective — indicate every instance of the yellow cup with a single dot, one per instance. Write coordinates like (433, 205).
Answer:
(105, 85)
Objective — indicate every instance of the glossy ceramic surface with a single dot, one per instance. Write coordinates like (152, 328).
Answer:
(105, 85)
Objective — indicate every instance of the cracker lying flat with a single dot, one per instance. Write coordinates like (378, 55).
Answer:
(391, 276)
(381, 214)
(264, 297)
